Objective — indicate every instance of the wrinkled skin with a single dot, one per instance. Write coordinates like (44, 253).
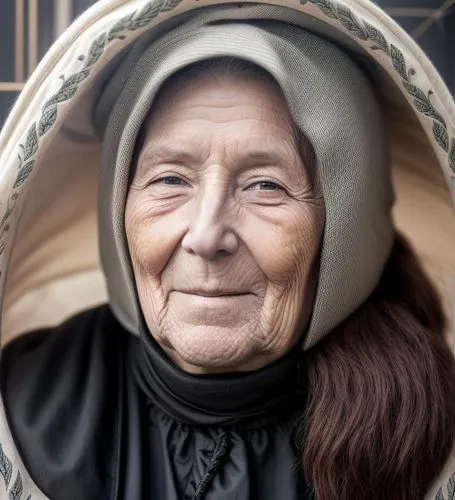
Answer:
(223, 226)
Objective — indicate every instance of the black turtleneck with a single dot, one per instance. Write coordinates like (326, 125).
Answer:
(97, 413)
(218, 400)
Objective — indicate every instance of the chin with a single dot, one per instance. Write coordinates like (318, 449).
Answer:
(209, 349)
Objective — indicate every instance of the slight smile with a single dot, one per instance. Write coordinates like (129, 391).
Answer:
(213, 293)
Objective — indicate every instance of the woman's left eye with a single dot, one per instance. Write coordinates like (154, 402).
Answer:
(171, 180)
(265, 186)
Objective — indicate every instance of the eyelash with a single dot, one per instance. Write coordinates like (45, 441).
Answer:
(162, 180)
(275, 186)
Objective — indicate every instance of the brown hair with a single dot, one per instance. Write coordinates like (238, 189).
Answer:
(380, 420)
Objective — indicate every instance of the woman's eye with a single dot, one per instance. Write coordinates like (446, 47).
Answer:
(266, 186)
(170, 180)
(167, 186)
(265, 193)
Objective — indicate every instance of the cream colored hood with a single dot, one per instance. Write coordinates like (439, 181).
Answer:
(49, 157)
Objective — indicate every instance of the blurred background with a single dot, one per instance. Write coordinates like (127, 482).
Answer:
(28, 27)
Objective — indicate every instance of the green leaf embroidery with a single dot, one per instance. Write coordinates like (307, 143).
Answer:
(416, 92)
(17, 488)
(133, 22)
(327, 7)
(6, 468)
(75, 79)
(47, 119)
(349, 21)
(24, 172)
(398, 61)
(427, 109)
(15, 492)
(452, 159)
(441, 136)
(67, 90)
(169, 5)
(96, 50)
(377, 37)
(451, 483)
(148, 12)
(122, 24)
(61, 96)
(422, 103)
(139, 23)
(31, 143)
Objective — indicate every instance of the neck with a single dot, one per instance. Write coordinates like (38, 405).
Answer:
(222, 399)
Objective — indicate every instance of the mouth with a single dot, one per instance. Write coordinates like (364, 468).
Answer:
(214, 293)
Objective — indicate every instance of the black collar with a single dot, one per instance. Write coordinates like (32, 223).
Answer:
(231, 399)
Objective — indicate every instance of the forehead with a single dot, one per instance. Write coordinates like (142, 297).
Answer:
(249, 105)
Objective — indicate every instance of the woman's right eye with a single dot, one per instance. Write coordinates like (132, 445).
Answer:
(170, 180)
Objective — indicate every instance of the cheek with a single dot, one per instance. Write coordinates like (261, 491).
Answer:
(151, 239)
(285, 250)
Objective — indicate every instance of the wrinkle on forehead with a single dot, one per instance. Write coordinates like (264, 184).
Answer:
(210, 106)
(269, 95)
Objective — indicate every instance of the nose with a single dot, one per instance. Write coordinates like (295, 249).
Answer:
(209, 234)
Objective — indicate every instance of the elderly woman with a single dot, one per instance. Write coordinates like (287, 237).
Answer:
(269, 334)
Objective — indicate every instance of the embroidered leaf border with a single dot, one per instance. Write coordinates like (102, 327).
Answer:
(16, 489)
(15, 493)
(6, 468)
(422, 102)
(450, 490)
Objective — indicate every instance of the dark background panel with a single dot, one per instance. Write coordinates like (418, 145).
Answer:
(436, 45)
(6, 102)
(450, 44)
(45, 25)
(409, 23)
(7, 26)
(80, 5)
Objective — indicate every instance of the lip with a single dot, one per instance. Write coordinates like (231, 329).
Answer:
(213, 293)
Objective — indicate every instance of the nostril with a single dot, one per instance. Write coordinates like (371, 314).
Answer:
(187, 244)
(222, 253)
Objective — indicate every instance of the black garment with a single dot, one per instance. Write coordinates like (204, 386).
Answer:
(99, 414)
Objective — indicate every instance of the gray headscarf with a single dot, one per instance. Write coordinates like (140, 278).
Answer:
(332, 103)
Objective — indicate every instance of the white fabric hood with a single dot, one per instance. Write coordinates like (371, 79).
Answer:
(50, 157)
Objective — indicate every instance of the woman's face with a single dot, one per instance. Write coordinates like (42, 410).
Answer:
(223, 226)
